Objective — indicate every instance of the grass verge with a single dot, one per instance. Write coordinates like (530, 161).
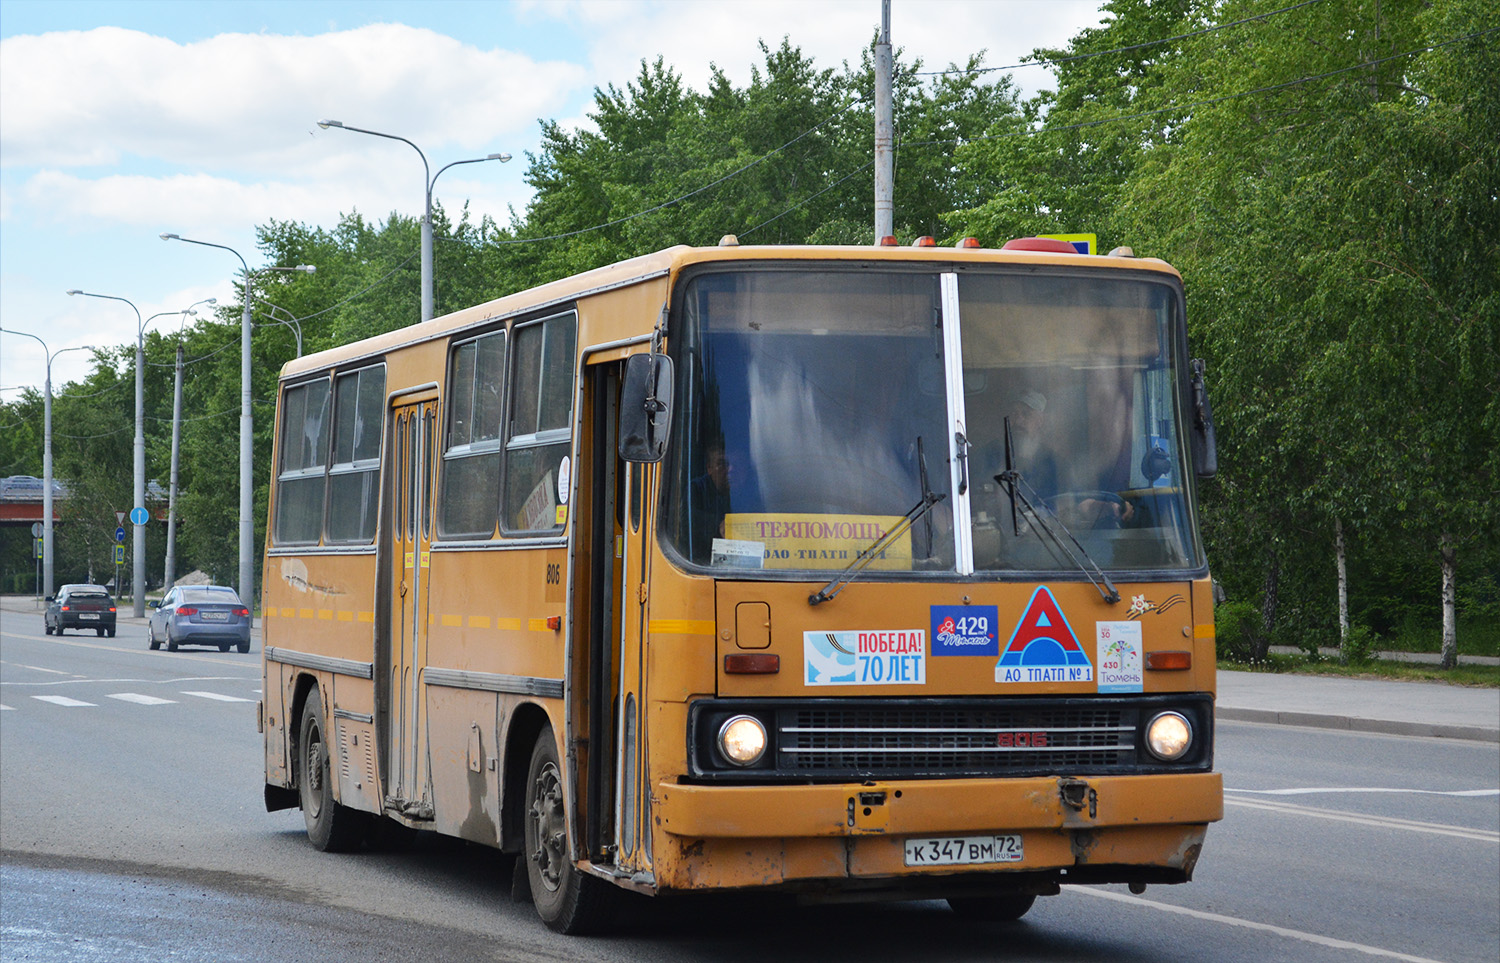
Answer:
(1486, 676)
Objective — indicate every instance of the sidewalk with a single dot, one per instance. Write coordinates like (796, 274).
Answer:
(1361, 705)
(1322, 702)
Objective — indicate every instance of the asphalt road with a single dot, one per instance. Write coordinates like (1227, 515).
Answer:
(131, 828)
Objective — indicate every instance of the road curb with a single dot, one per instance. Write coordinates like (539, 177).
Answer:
(1388, 727)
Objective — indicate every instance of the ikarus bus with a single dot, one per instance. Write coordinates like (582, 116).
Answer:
(853, 573)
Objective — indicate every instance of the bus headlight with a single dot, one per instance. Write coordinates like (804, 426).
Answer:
(742, 740)
(1168, 736)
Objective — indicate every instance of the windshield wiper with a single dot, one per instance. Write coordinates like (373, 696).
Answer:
(1017, 486)
(865, 557)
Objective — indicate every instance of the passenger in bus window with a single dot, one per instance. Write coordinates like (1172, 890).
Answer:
(709, 495)
(1034, 458)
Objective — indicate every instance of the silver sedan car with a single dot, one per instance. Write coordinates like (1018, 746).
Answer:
(200, 615)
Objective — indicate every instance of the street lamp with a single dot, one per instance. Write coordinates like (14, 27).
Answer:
(47, 552)
(169, 573)
(428, 182)
(246, 584)
(138, 540)
(291, 321)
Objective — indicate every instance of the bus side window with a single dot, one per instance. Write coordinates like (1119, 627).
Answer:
(540, 435)
(470, 473)
(353, 478)
(304, 455)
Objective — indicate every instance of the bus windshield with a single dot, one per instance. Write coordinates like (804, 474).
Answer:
(817, 408)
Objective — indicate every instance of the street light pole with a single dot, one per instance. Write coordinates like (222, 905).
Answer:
(290, 321)
(138, 540)
(169, 573)
(246, 582)
(47, 549)
(427, 183)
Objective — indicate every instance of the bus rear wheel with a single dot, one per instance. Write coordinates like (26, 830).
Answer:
(331, 826)
(994, 909)
(567, 900)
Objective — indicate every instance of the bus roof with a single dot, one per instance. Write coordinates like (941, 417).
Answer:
(669, 262)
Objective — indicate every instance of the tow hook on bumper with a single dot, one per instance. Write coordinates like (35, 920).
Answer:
(1075, 793)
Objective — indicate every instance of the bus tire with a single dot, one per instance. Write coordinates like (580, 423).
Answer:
(331, 826)
(992, 909)
(567, 900)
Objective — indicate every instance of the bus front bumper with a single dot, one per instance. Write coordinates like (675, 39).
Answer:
(1119, 828)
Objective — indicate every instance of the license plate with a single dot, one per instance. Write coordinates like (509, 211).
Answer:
(215, 616)
(963, 850)
(88, 615)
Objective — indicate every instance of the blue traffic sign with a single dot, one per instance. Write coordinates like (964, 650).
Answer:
(119, 534)
(139, 516)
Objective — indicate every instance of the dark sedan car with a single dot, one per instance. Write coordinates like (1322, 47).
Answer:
(80, 607)
(200, 615)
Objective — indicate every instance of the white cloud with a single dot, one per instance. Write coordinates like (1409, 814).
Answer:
(111, 136)
(691, 36)
(80, 99)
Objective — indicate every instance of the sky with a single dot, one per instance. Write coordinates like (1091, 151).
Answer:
(124, 120)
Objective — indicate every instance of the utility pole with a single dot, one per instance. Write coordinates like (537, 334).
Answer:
(169, 577)
(884, 166)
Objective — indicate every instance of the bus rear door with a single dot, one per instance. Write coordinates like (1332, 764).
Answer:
(411, 541)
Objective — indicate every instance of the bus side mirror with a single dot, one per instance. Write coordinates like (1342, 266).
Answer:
(645, 407)
(1205, 447)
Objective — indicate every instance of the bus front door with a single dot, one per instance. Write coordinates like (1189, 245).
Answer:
(609, 734)
(411, 535)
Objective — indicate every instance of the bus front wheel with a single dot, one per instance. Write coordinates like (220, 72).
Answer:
(331, 826)
(567, 900)
(995, 909)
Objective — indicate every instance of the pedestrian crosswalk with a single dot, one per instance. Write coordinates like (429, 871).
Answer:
(219, 697)
(141, 700)
(135, 698)
(62, 701)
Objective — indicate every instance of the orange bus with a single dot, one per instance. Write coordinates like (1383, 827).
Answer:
(864, 573)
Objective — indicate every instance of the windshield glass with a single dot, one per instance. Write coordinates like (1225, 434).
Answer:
(813, 413)
(1081, 370)
(816, 398)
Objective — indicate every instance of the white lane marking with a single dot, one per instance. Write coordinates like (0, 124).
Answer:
(6, 708)
(63, 701)
(143, 700)
(190, 678)
(216, 696)
(34, 668)
(1381, 822)
(1367, 789)
(1251, 925)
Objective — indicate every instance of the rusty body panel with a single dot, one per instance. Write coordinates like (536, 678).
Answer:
(504, 647)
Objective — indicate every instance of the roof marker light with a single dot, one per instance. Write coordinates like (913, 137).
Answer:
(888, 241)
(968, 242)
(924, 241)
(1045, 245)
